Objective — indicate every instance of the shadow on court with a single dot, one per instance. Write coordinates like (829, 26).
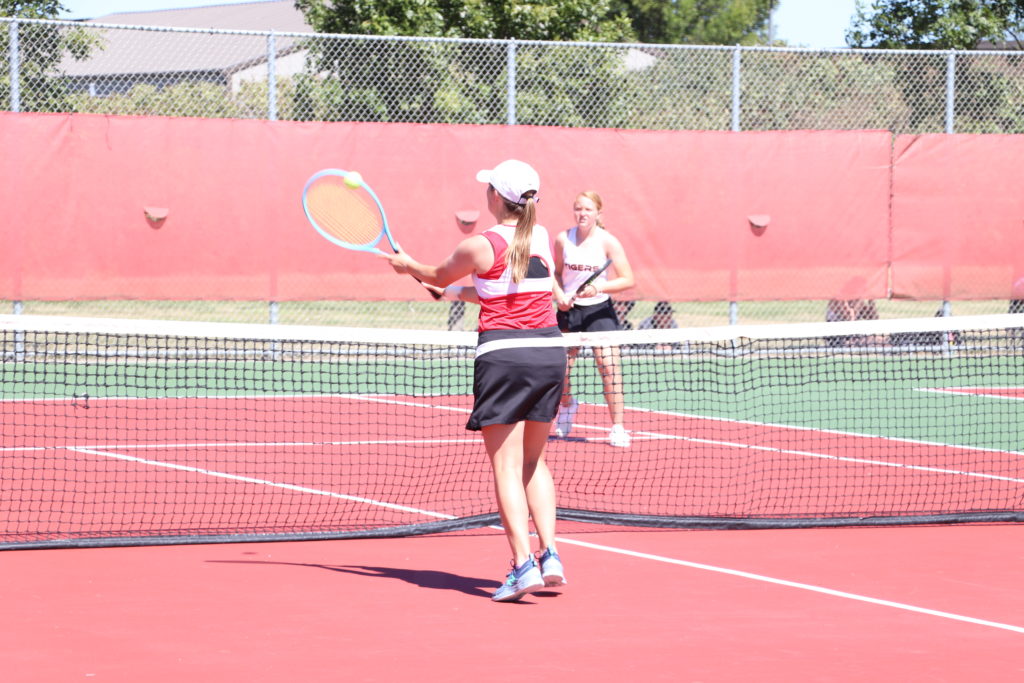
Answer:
(570, 439)
(424, 578)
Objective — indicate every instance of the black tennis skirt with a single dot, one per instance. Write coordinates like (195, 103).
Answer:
(597, 318)
(519, 383)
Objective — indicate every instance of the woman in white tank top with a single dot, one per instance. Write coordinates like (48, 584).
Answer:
(579, 251)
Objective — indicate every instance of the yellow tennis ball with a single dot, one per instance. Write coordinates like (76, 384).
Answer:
(353, 179)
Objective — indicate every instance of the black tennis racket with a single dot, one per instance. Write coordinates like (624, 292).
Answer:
(593, 276)
(347, 212)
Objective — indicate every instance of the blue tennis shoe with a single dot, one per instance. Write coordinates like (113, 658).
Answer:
(551, 569)
(521, 580)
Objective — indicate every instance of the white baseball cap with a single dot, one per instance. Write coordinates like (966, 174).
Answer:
(512, 179)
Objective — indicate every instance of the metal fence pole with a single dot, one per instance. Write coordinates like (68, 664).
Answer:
(511, 87)
(15, 67)
(950, 91)
(947, 307)
(271, 77)
(15, 105)
(737, 103)
(273, 312)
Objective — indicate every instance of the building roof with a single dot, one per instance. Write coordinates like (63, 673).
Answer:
(261, 15)
(138, 51)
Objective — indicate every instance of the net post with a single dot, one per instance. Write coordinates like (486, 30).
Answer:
(274, 311)
(19, 336)
(944, 342)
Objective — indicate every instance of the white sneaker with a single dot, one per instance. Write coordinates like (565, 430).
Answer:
(619, 437)
(563, 421)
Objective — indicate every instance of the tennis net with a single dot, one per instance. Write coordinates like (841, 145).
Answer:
(120, 432)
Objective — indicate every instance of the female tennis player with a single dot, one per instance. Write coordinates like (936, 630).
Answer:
(516, 385)
(579, 252)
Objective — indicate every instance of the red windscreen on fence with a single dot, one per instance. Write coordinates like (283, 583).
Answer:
(958, 212)
(178, 208)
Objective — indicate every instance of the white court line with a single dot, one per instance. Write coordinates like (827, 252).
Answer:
(636, 434)
(242, 444)
(973, 392)
(846, 458)
(610, 549)
(263, 482)
(785, 451)
(568, 541)
(821, 430)
(794, 584)
(711, 418)
(381, 398)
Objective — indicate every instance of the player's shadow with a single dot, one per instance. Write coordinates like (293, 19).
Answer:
(569, 439)
(433, 579)
(424, 578)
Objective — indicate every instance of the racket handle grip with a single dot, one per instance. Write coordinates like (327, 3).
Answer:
(437, 295)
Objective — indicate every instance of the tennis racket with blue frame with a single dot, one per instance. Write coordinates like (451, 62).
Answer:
(346, 211)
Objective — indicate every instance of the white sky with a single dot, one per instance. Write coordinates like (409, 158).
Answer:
(813, 23)
(801, 23)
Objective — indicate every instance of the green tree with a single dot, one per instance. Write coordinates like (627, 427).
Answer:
(554, 83)
(707, 22)
(587, 20)
(455, 82)
(698, 22)
(41, 47)
(937, 24)
(989, 92)
(31, 9)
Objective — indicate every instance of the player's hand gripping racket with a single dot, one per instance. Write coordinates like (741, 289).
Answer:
(346, 211)
(593, 276)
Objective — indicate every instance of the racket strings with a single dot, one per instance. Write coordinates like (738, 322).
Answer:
(344, 212)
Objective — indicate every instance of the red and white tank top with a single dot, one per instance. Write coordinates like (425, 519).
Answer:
(524, 305)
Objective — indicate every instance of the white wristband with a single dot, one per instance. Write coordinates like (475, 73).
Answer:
(453, 292)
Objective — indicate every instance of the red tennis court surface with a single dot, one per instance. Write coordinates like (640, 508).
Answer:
(885, 604)
(1014, 393)
(845, 604)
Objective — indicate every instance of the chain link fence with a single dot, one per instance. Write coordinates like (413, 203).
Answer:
(60, 66)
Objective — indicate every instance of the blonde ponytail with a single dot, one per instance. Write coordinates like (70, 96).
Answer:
(517, 258)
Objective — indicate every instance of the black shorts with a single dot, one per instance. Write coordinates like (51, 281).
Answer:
(597, 318)
(515, 384)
